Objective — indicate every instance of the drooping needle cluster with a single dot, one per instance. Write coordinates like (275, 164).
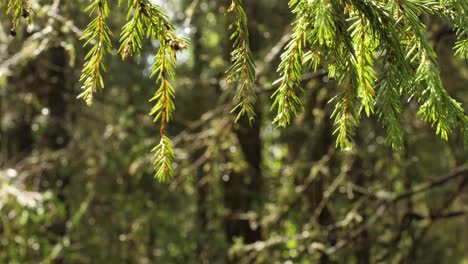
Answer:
(145, 20)
(377, 51)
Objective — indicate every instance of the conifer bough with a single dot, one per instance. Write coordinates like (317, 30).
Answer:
(378, 52)
(145, 20)
(18, 9)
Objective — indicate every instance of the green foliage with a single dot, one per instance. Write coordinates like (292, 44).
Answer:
(348, 38)
(458, 12)
(250, 193)
(437, 108)
(343, 67)
(242, 70)
(146, 17)
(377, 51)
(365, 46)
(389, 106)
(164, 155)
(163, 68)
(145, 20)
(19, 9)
(286, 97)
(97, 34)
(133, 31)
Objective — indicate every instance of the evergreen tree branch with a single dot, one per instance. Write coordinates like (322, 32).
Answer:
(164, 70)
(364, 45)
(19, 9)
(133, 31)
(343, 65)
(242, 70)
(457, 11)
(286, 100)
(97, 33)
(396, 74)
(388, 103)
(147, 20)
(438, 108)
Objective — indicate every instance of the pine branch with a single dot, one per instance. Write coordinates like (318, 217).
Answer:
(324, 27)
(457, 11)
(242, 70)
(147, 20)
(438, 108)
(19, 9)
(97, 33)
(133, 31)
(164, 156)
(164, 70)
(343, 66)
(364, 45)
(285, 97)
(396, 74)
(388, 103)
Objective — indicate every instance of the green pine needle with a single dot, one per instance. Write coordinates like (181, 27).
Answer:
(242, 70)
(97, 33)
(19, 9)
(164, 156)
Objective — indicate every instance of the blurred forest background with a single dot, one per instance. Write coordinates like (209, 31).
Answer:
(77, 183)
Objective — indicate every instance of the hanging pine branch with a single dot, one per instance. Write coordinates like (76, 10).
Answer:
(348, 38)
(389, 106)
(377, 51)
(286, 97)
(365, 45)
(343, 66)
(437, 108)
(133, 31)
(163, 68)
(19, 9)
(242, 70)
(457, 11)
(98, 34)
(148, 20)
(395, 74)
